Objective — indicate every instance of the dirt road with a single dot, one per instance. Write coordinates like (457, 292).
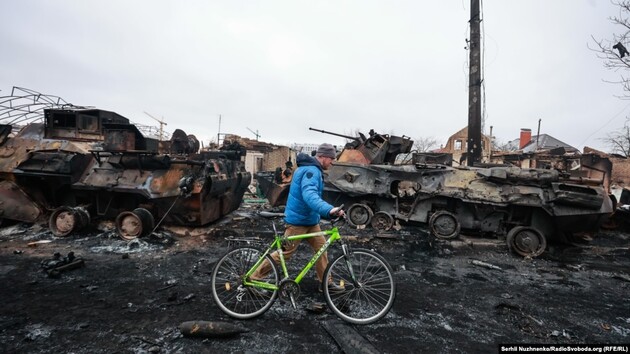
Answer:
(453, 297)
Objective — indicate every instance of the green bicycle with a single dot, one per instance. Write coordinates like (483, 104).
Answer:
(363, 293)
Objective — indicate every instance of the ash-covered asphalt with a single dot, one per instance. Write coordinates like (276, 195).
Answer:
(466, 296)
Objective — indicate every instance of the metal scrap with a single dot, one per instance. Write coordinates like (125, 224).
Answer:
(68, 156)
(210, 329)
(485, 264)
(58, 264)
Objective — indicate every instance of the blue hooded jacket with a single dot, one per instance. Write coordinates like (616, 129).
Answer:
(305, 205)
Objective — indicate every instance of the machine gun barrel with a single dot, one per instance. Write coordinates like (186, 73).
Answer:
(340, 135)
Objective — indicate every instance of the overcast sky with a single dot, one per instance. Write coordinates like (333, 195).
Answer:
(280, 67)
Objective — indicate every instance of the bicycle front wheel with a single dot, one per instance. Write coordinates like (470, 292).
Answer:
(369, 298)
(228, 291)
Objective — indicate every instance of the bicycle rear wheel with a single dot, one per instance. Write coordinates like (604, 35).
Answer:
(228, 291)
(373, 294)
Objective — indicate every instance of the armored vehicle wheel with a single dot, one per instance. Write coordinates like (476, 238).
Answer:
(148, 222)
(382, 221)
(359, 214)
(128, 225)
(62, 221)
(444, 225)
(133, 224)
(66, 219)
(526, 241)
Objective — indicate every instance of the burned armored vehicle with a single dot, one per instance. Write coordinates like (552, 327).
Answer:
(525, 206)
(85, 163)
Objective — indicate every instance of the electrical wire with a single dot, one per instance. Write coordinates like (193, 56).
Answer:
(605, 124)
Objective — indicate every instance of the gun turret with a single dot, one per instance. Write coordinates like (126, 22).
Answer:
(376, 149)
(360, 139)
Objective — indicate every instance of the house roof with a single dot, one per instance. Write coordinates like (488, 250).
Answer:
(542, 142)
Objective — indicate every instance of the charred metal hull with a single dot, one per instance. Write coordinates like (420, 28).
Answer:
(524, 206)
(276, 193)
(98, 160)
(486, 200)
(17, 205)
(217, 186)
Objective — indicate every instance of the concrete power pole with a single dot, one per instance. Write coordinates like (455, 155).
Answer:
(474, 87)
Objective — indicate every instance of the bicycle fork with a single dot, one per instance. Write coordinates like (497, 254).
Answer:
(346, 257)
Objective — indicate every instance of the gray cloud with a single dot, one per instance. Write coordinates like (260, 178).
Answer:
(280, 67)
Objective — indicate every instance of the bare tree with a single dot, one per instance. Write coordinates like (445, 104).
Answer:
(613, 51)
(425, 144)
(498, 145)
(619, 141)
(616, 57)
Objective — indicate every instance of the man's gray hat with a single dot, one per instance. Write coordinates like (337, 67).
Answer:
(327, 150)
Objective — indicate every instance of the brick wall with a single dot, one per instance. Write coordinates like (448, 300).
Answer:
(620, 171)
(277, 158)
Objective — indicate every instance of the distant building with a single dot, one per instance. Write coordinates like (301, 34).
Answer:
(262, 156)
(539, 151)
(304, 148)
(527, 143)
(457, 146)
(309, 148)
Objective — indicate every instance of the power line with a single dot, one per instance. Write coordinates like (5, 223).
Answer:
(605, 124)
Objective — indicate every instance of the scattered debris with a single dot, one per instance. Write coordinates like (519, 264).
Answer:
(268, 214)
(58, 264)
(35, 243)
(348, 338)
(37, 331)
(210, 329)
(622, 277)
(316, 307)
(485, 264)
(167, 287)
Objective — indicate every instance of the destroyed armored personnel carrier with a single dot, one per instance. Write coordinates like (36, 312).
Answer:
(525, 206)
(85, 163)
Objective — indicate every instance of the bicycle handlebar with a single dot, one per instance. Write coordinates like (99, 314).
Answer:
(333, 221)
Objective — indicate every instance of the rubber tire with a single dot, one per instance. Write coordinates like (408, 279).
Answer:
(147, 219)
(357, 296)
(231, 261)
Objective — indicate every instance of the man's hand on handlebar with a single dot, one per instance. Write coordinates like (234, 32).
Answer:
(337, 212)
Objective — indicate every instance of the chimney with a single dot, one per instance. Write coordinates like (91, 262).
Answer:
(526, 137)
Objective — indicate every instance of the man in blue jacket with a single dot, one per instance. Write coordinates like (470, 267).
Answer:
(305, 207)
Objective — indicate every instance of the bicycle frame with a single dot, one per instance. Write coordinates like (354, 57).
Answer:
(358, 284)
(276, 245)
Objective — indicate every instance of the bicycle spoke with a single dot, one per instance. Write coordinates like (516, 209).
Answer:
(371, 297)
(229, 292)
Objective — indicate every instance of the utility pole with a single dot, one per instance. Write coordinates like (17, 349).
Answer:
(219, 132)
(474, 87)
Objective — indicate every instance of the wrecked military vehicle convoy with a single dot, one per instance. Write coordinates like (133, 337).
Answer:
(85, 163)
(526, 207)
(77, 164)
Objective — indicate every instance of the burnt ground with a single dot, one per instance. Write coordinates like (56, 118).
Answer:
(131, 298)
